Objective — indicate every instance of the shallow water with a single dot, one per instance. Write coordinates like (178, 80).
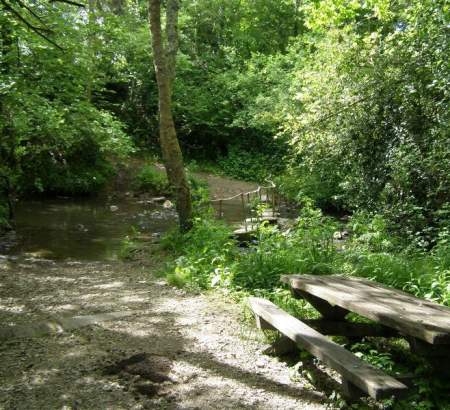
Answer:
(88, 229)
(81, 229)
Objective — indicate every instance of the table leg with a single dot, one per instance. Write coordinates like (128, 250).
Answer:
(327, 310)
(437, 355)
(350, 391)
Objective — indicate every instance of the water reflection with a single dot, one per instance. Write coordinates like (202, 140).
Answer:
(86, 229)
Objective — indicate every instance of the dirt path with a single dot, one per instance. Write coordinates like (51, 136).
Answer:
(177, 351)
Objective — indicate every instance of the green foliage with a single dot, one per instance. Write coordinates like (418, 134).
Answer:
(368, 353)
(149, 178)
(78, 140)
(207, 254)
(374, 253)
(249, 165)
(128, 249)
(205, 251)
(370, 123)
(54, 138)
(199, 193)
(308, 249)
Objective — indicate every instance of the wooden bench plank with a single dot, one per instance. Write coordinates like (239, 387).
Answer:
(409, 315)
(364, 376)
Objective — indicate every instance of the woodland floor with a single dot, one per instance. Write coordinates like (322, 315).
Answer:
(178, 351)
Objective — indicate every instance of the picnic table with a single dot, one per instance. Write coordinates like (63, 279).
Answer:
(426, 326)
(336, 296)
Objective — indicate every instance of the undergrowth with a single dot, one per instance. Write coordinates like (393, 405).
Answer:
(151, 179)
(208, 258)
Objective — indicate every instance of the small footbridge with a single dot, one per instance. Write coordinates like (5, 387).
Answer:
(256, 206)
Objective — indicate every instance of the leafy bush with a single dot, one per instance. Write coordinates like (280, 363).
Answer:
(151, 179)
(208, 257)
(206, 251)
(307, 249)
(62, 148)
(373, 252)
(199, 193)
(249, 165)
(369, 121)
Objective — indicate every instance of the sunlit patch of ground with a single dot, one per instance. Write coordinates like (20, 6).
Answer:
(193, 354)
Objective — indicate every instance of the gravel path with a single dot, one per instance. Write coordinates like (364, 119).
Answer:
(176, 350)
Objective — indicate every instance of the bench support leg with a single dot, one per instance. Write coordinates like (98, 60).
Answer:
(261, 324)
(437, 356)
(281, 347)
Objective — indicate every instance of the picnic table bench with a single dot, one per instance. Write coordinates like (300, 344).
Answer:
(426, 326)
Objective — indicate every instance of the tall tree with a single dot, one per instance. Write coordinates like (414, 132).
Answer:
(164, 60)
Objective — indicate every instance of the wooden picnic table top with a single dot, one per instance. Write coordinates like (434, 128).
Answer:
(391, 307)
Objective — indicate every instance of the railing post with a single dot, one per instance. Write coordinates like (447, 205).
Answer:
(273, 201)
(243, 210)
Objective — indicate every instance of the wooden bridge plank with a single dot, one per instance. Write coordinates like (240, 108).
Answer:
(409, 315)
(364, 376)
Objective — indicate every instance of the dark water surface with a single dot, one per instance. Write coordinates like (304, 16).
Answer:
(92, 229)
(81, 229)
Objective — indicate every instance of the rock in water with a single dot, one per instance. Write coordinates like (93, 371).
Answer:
(158, 199)
(167, 204)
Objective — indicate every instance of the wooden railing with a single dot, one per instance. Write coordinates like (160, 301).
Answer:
(264, 193)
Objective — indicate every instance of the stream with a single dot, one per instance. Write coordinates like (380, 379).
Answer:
(88, 229)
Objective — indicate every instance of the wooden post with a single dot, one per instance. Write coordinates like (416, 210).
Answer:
(243, 210)
(273, 201)
(220, 209)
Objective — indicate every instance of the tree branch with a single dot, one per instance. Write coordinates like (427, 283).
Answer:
(30, 10)
(72, 3)
(37, 30)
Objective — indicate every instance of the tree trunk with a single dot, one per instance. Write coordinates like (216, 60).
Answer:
(171, 152)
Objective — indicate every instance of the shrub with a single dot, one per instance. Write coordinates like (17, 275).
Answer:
(205, 253)
(199, 193)
(308, 249)
(151, 179)
(250, 164)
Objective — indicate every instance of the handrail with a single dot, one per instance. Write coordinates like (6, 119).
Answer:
(244, 195)
(257, 190)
